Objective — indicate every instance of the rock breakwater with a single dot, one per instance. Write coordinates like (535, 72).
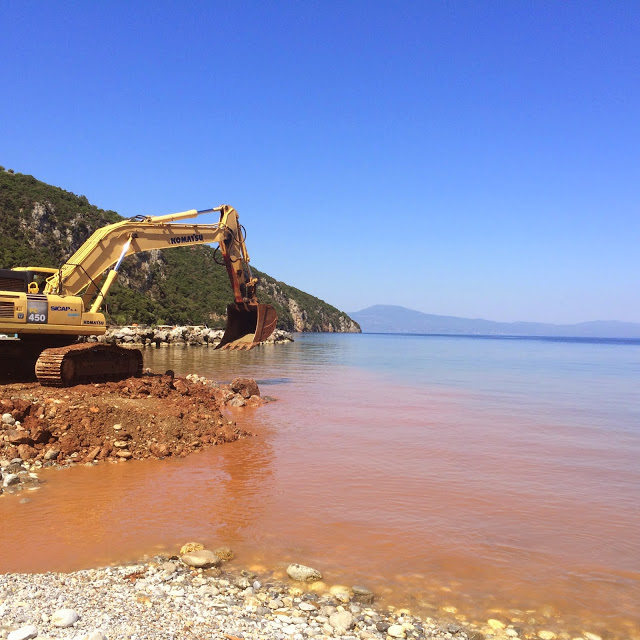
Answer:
(164, 336)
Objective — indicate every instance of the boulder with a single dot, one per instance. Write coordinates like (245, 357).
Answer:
(160, 450)
(39, 434)
(201, 558)
(302, 573)
(16, 437)
(93, 453)
(51, 454)
(362, 594)
(342, 621)
(396, 631)
(191, 546)
(23, 633)
(10, 479)
(246, 387)
(26, 452)
(224, 553)
(64, 618)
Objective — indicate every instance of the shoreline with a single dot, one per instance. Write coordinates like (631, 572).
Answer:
(166, 596)
(162, 597)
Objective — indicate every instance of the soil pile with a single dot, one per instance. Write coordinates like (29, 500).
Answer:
(151, 416)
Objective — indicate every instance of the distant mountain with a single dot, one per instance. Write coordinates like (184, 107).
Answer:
(393, 319)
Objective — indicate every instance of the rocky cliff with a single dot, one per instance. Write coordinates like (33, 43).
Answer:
(43, 225)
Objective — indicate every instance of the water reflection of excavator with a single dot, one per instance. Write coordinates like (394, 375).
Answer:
(49, 309)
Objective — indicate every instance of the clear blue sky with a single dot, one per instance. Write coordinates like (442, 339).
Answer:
(478, 159)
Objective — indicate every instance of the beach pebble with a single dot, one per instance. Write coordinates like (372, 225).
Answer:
(10, 479)
(168, 568)
(496, 624)
(341, 621)
(7, 418)
(64, 618)
(224, 553)
(362, 594)
(547, 635)
(23, 633)
(396, 631)
(200, 558)
(591, 636)
(303, 573)
(191, 546)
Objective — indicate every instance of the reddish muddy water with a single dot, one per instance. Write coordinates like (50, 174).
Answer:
(433, 495)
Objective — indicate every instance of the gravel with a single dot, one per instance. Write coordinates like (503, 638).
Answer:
(164, 598)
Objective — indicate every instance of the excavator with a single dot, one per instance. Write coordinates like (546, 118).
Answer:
(49, 309)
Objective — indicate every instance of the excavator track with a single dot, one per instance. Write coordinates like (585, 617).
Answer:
(85, 363)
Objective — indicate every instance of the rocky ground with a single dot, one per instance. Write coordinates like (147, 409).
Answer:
(152, 416)
(196, 595)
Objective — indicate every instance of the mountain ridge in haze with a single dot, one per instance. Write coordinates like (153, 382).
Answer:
(395, 319)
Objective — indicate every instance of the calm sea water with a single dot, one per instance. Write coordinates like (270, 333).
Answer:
(499, 477)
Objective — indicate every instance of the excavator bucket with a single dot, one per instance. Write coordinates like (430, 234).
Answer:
(248, 325)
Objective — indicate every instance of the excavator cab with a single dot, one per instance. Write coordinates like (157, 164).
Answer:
(248, 324)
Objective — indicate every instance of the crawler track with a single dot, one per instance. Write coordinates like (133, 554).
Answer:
(85, 363)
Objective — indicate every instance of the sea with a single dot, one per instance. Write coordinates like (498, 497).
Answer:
(464, 477)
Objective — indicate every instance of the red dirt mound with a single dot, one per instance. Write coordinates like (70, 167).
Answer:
(152, 416)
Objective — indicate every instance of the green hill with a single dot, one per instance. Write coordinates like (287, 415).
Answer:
(42, 225)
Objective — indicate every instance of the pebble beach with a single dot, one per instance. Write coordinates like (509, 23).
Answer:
(165, 597)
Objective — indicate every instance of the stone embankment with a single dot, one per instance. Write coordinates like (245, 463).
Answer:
(152, 416)
(195, 595)
(164, 336)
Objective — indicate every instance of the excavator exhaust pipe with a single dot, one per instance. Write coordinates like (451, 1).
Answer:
(248, 325)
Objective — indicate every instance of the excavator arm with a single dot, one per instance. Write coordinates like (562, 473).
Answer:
(49, 308)
(248, 322)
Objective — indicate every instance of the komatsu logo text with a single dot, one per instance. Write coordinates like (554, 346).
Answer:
(196, 237)
(92, 322)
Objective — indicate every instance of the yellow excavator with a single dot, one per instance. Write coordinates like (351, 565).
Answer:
(49, 309)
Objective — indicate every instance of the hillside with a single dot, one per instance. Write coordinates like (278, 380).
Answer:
(394, 319)
(43, 225)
